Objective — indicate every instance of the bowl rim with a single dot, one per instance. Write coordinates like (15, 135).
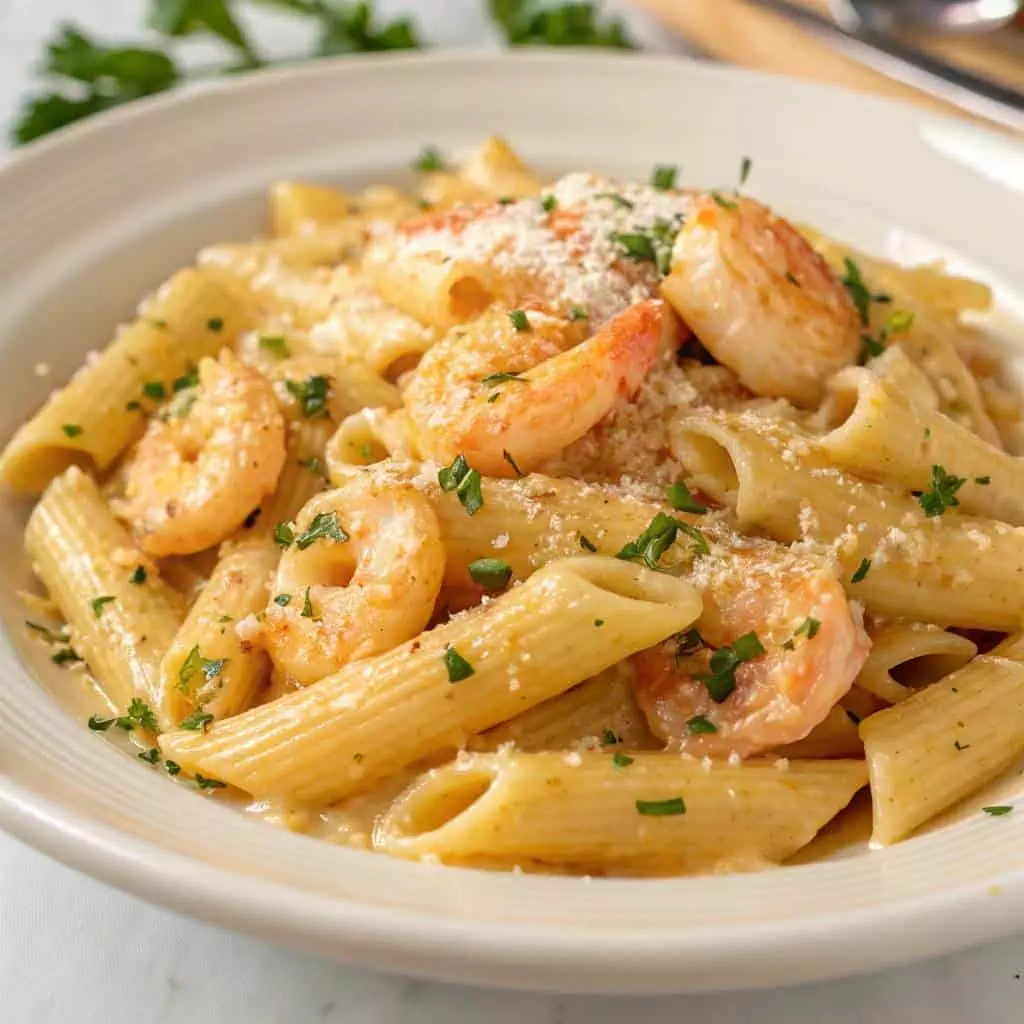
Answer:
(504, 953)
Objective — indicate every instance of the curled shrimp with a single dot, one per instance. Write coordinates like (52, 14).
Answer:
(525, 383)
(761, 300)
(813, 643)
(361, 576)
(207, 462)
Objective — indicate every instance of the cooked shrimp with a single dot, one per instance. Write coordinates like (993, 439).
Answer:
(761, 300)
(524, 382)
(814, 645)
(207, 462)
(360, 577)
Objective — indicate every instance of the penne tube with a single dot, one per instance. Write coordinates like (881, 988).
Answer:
(583, 810)
(898, 370)
(298, 207)
(946, 741)
(497, 171)
(430, 695)
(122, 622)
(601, 710)
(882, 435)
(952, 570)
(906, 656)
(102, 410)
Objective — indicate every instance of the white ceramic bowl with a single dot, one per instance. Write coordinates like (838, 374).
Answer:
(97, 216)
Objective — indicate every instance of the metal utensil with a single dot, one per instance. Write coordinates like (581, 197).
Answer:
(939, 16)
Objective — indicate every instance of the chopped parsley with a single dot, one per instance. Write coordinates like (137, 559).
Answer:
(276, 344)
(578, 313)
(459, 477)
(323, 526)
(507, 456)
(997, 810)
(490, 573)
(133, 406)
(586, 543)
(598, 623)
(311, 393)
(983, 481)
(721, 681)
(71, 429)
(457, 666)
(198, 721)
(151, 756)
(49, 635)
(307, 606)
(659, 536)
(654, 245)
(862, 570)
(172, 767)
(139, 575)
(859, 293)
(725, 204)
(195, 662)
(139, 715)
(430, 159)
(154, 389)
(284, 534)
(283, 600)
(97, 603)
(682, 500)
(610, 738)
(898, 321)
(617, 198)
(699, 724)
(503, 377)
(519, 319)
(189, 379)
(313, 463)
(663, 177)
(215, 324)
(661, 808)
(688, 643)
(204, 783)
(961, 746)
(548, 203)
(809, 628)
(942, 494)
(746, 166)
(65, 656)
(621, 760)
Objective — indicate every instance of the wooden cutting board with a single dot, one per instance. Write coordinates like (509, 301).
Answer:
(742, 32)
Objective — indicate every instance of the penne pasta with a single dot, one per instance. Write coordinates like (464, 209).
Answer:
(649, 812)
(122, 621)
(297, 207)
(378, 715)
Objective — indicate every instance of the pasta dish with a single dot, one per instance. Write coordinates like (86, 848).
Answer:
(592, 527)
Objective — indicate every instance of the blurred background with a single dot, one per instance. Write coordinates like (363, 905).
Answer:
(64, 60)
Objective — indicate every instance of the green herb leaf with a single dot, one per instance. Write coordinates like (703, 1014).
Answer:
(663, 177)
(189, 379)
(154, 389)
(507, 456)
(312, 394)
(283, 600)
(139, 715)
(151, 756)
(699, 724)
(746, 165)
(682, 500)
(195, 662)
(323, 526)
(204, 783)
(71, 429)
(659, 536)
(571, 24)
(942, 494)
(661, 808)
(172, 767)
(586, 543)
(97, 603)
(465, 482)
(198, 721)
(578, 313)
(307, 606)
(215, 324)
(998, 810)
(725, 204)
(983, 481)
(276, 344)
(621, 760)
(610, 738)
(430, 159)
(862, 570)
(617, 198)
(457, 666)
(97, 724)
(351, 28)
(721, 680)
(519, 319)
(51, 636)
(490, 573)
(178, 18)
(139, 575)
(548, 203)
(502, 378)
(65, 656)
(653, 245)
(284, 535)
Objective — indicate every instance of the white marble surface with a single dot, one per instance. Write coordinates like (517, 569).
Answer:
(75, 952)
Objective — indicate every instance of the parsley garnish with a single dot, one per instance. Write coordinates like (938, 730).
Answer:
(276, 344)
(699, 724)
(997, 810)
(983, 481)
(571, 24)
(858, 291)
(725, 204)
(172, 767)
(215, 324)
(139, 714)
(688, 643)
(323, 526)
(465, 482)
(663, 177)
(311, 393)
(661, 808)
(578, 313)
(71, 429)
(548, 203)
(617, 198)
(862, 570)
(49, 635)
(651, 246)
(64, 656)
(139, 575)
(621, 760)
(586, 543)
(598, 623)
(659, 536)
(283, 600)
(746, 165)
(151, 756)
(502, 378)
(189, 379)
(198, 721)
(682, 500)
(154, 389)
(507, 456)
(430, 159)
(721, 680)
(610, 738)
(307, 606)
(97, 603)
(195, 662)
(519, 319)
(313, 463)
(284, 535)
(961, 746)
(898, 321)
(809, 628)
(490, 573)
(457, 666)
(942, 494)
(204, 783)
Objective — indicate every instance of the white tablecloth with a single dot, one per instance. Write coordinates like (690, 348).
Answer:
(75, 952)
